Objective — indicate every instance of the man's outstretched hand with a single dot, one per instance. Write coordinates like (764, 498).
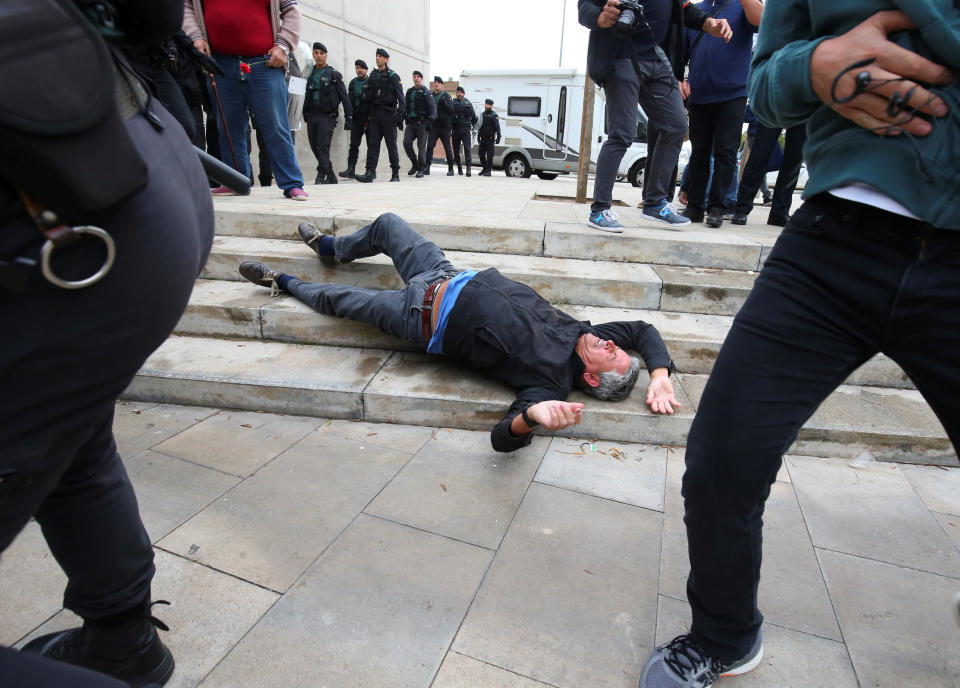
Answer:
(555, 415)
(660, 396)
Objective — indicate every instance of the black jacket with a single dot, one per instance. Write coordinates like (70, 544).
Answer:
(511, 333)
(605, 43)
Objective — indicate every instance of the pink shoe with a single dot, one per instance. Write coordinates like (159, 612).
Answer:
(296, 194)
(222, 191)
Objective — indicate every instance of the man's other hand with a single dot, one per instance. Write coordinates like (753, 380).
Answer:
(684, 87)
(202, 46)
(555, 415)
(278, 58)
(609, 14)
(660, 396)
(719, 28)
(868, 39)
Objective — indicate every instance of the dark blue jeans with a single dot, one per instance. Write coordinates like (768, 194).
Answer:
(419, 263)
(843, 282)
(755, 172)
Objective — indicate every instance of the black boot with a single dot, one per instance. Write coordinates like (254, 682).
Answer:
(420, 173)
(468, 169)
(349, 173)
(413, 170)
(425, 170)
(330, 178)
(321, 176)
(367, 177)
(459, 169)
(396, 176)
(449, 170)
(125, 646)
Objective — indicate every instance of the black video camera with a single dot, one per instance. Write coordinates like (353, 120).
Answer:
(631, 12)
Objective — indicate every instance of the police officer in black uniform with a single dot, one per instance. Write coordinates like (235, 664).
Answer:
(441, 127)
(421, 115)
(464, 118)
(360, 114)
(383, 96)
(325, 93)
(489, 130)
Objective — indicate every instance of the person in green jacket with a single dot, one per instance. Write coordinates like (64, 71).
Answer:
(869, 263)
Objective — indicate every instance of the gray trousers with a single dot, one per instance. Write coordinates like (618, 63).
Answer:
(419, 263)
(416, 130)
(660, 98)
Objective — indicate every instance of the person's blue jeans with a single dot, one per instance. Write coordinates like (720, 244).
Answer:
(419, 263)
(755, 173)
(264, 92)
(843, 282)
(730, 200)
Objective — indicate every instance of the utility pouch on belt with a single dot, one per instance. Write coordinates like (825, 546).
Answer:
(62, 139)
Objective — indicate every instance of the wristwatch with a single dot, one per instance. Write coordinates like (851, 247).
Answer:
(531, 423)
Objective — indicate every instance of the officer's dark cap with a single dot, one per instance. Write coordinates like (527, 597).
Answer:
(460, 89)
(488, 101)
(360, 63)
(418, 73)
(320, 46)
(383, 53)
(438, 80)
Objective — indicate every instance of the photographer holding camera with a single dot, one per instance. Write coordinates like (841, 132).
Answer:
(636, 54)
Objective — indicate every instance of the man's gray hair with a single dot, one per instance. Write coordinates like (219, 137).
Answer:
(613, 386)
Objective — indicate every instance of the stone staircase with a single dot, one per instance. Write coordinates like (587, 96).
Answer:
(237, 347)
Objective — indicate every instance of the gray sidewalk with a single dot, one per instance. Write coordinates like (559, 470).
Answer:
(307, 552)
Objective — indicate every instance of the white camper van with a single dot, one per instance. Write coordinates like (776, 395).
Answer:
(540, 116)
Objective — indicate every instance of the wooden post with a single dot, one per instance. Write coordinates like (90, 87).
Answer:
(586, 138)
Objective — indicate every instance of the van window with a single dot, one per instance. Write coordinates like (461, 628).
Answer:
(561, 117)
(523, 106)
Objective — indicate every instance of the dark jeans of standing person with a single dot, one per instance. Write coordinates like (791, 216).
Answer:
(660, 98)
(755, 171)
(441, 132)
(416, 131)
(320, 129)
(716, 128)
(73, 353)
(419, 263)
(381, 128)
(843, 282)
(461, 136)
(653, 135)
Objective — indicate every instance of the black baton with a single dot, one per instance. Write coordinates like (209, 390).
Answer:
(224, 174)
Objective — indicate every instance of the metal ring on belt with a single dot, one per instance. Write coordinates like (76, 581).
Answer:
(48, 249)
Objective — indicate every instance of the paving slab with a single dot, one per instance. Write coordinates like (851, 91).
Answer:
(938, 487)
(894, 621)
(269, 529)
(405, 438)
(33, 584)
(790, 658)
(138, 426)
(259, 376)
(171, 491)
(459, 487)
(951, 526)
(647, 244)
(623, 472)
(871, 512)
(592, 282)
(238, 442)
(379, 608)
(570, 598)
(460, 671)
(704, 290)
(224, 309)
(209, 613)
(414, 387)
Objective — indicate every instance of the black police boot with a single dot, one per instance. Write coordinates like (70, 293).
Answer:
(125, 646)
(348, 173)
(425, 170)
(320, 178)
(331, 178)
(468, 169)
(420, 173)
(367, 177)
(449, 170)
(413, 170)
(459, 169)
(396, 176)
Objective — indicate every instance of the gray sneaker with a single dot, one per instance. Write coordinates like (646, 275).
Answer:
(682, 664)
(665, 213)
(605, 220)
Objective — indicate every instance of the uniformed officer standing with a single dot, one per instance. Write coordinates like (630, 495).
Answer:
(464, 118)
(383, 96)
(489, 130)
(325, 92)
(421, 115)
(360, 114)
(441, 128)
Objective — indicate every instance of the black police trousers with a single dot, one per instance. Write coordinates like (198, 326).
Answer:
(357, 131)
(485, 149)
(381, 128)
(461, 135)
(320, 127)
(416, 130)
(442, 132)
(66, 356)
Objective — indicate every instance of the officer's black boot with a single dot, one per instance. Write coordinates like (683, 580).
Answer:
(459, 169)
(320, 177)
(413, 170)
(450, 170)
(421, 172)
(125, 646)
(349, 173)
(468, 169)
(425, 170)
(367, 177)
(396, 176)
(331, 178)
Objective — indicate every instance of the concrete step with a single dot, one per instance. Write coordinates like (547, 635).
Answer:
(239, 309)
(692, 247)
(600, 283)
(383, 386)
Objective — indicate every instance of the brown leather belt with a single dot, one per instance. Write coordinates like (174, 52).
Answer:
(425, 314)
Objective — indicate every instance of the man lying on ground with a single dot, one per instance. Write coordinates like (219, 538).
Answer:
(499, 326)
